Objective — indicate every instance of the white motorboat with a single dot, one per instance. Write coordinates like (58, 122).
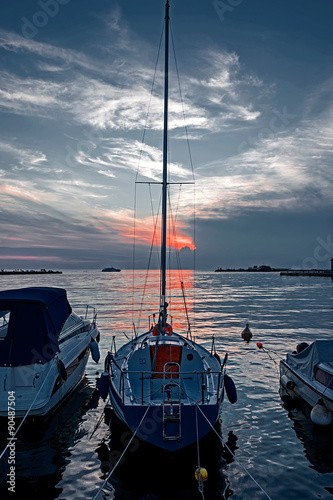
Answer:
(162, 384)
(44, 349)
(308, 373)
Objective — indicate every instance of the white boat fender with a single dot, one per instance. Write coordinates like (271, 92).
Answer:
(103, 385)
(230, 389)
(62, 370)
(320, 415)
(287, 383)
(94, 349)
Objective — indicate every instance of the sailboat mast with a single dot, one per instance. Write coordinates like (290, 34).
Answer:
(165, 169)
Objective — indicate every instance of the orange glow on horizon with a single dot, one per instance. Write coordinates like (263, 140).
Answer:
(146, 230)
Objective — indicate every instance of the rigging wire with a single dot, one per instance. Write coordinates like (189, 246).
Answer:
(182, 102)
(138, 169)
(192, 168)
(148, 264)
(180, 270)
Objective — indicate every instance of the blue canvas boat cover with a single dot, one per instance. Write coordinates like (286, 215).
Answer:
(320, 351)
(36, 317)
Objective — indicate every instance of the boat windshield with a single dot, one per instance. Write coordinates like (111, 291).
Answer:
(72, 320)
(4, 320)
(324, 378)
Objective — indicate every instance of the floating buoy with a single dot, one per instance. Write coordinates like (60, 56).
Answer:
(201, 472)
(246, 333)
(230, 389)
(320, 415)
(62, 370)
(287, 382)
(103, 385)
(259, 345)
(94, 349)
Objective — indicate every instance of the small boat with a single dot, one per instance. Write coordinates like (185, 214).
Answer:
(110, 270)
(162, 384)
(44, 349)
(308, 373)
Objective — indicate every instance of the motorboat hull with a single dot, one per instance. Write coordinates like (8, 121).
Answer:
(44, 388)
(45, 349)
(309, 390)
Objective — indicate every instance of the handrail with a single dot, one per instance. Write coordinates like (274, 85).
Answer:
(146, 374)
(195, 372)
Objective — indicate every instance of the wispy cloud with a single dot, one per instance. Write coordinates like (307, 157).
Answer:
(115, 94)
(13, 42)
(289, 171)
(87, 113)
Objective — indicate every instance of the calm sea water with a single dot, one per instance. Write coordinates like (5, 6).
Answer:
(274, 441)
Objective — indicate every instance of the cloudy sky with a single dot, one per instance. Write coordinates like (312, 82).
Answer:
(76, 81)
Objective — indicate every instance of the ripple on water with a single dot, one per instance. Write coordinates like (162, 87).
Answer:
(275, 441)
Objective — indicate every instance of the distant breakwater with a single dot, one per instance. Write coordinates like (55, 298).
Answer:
(24, 272)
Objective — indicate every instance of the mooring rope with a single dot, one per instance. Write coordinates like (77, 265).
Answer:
(121, 456)
(199, 475)
(25, 416)
(233, 455)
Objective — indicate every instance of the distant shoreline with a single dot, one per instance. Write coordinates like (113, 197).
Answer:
(311, 272)
(24, 272)
(282, 271)
(255, 269)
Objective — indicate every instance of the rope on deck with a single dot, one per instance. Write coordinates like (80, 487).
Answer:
(233, 455)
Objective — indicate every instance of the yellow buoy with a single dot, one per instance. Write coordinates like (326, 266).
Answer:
(201, 472)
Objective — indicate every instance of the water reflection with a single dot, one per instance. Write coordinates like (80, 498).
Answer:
(282, 312)
(317, 441)
(145, 472)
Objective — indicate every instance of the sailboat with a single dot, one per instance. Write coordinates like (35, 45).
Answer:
(161, 384)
